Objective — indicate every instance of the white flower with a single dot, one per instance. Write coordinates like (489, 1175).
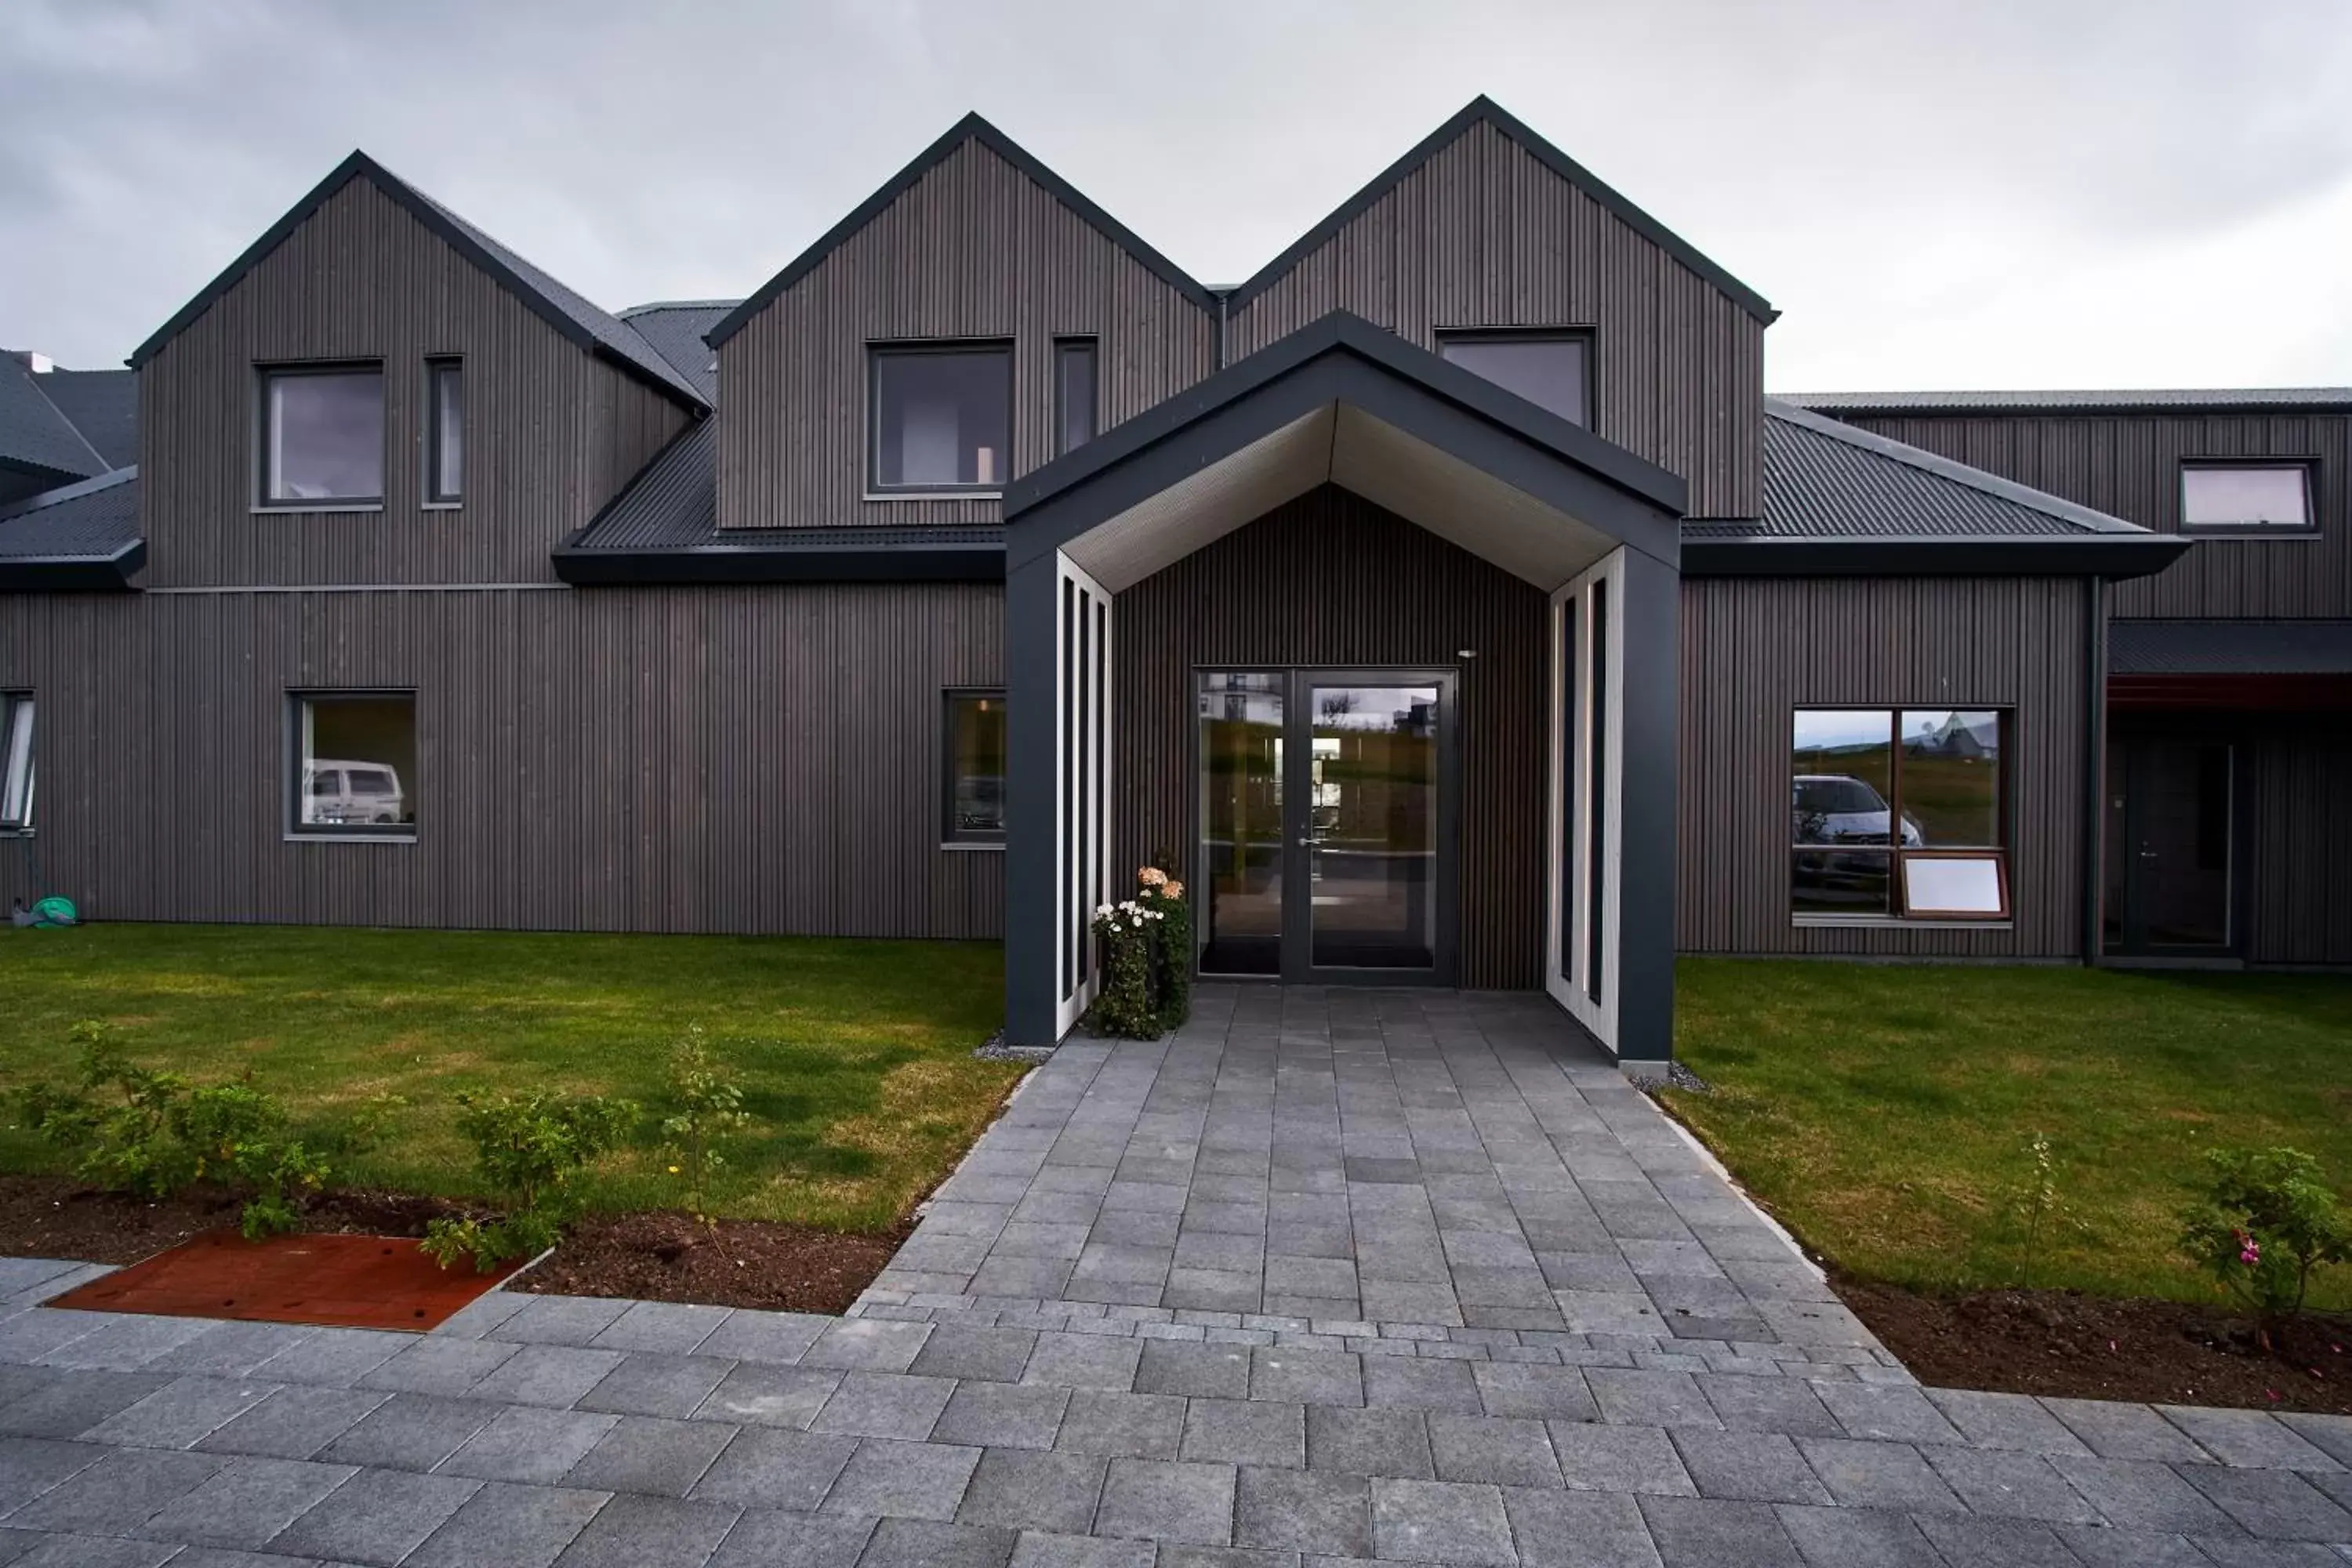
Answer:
(1100, 912)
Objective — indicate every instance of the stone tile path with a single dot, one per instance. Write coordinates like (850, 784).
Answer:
(1477, 1304)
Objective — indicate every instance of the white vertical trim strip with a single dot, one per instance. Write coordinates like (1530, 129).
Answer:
(1067, 877)
(1573, 904)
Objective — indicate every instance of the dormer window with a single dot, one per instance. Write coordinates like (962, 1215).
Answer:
(942, 417)
(444, 426)
(1550, 369)
(322, 436)
(2246, 497)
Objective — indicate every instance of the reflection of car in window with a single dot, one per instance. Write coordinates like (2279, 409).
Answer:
(1836, 808)
(980, 803)
(344, 793)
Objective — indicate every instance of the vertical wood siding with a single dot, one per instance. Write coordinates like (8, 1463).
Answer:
(1332, 579)
(2129, 466)
(1483, 234)
(552, 433)
(974, 250)
(633, 760)
(2299, 886)
(1754, 650)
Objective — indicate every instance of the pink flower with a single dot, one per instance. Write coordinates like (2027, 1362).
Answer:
(2249, 1251)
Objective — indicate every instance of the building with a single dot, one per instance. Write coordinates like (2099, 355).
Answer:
(1448, 600)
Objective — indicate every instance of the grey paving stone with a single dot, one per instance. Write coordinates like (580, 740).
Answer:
(650, 1532)
(1749, 1467)
(647, 1454)
(376, 1517)
(555, 1377)
(526, 1445)
(757, 1394)
(436, 1365)
(95, 1551)
(293, 1422)
(1579, 1530)
(1877, 1475)
(1441, 1521)
(767, 1467)
(477, 1318)
(1021, 1489)
(2005, 1421)
(1205, 1371)
(504, 1526)
(1413, 1384)
(230, 1349)
(1301, 1510)
(1971, 1542)
(2276, 1505)
(29, 1335)
(887, 1479)
(1003, 1415)
(1895, 1415)
(1641, 1398)
(179, 1414)
(2240, 1551)
(2131, 1548)
(1100, 1362)
(31, 1465)
(1122, 1426)
(1705, 1532)
(1594, 1457)
(245, 1503)
(1156, 1500)
(937, 1545)
(2119, 1431)
(765, 1538)
(1505, 1452)
(2009, 1484)
(2248, 1438)
(994, 1356)
(560, 1319)
(332, 1358)
(1857, 1538)
(1245, 1432)
(108, 1497)
(669, 1328)
(1547, 1393)
(867, 1344)
(777, 1337)
(2142, 1495)
(657, 1384)
(1343, 1440)
(66, 1402)
(2331, 1434)
(883, 1404)
(1309, 1377)
(1038, 1549)
(125, 1342)
(1785, 1404)
(410, 1432)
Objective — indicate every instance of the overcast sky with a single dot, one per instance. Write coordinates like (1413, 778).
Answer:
(1935, 193)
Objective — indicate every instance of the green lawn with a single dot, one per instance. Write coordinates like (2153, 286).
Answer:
(855, 1056)
(1883, 1112)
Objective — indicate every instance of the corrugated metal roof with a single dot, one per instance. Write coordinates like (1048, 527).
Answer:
(1827, 480)
(676, 328)
(2112, 400)
(2230, 647)
(104, 407)
(33, 433)
(94, 520)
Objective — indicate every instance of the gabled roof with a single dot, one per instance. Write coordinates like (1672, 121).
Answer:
(970, 128)
(104, 407)
(584, 323)
(675, 330)
(1485, 110)
(35, 435)
(78, 537)
(2187, 400)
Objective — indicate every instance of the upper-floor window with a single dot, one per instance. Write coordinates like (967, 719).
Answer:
(1899, 812)
(2268, 497)
(1074, 393)
(444, 432)
(323, 436)
(16, 762)
(1550, 370)
(942, 417)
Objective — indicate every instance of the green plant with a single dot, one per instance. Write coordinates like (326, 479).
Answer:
(117, 1123)
(527, 1148)
(2041, 1207)
(1172, 944)
(1124, 1008)
(709, 1111)
(2268, 1220)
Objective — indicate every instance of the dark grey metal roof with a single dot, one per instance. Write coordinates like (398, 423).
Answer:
(79, 536)
(2230, 647)
(34, 434)
(2122, 401)
(674, 329)
(583, 322)
(104, 407)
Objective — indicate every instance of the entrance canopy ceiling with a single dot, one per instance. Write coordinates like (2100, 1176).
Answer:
(1342, 401)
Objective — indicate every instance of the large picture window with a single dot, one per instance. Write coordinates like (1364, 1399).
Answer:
(322, 436)
(975, 781)
(16, 762)
(942, 417)
(2246, 497)
(1899, 812)
(354, 764)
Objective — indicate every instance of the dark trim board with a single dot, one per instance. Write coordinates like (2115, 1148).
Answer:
(2111, 556)
(834, 559)
(73, 573)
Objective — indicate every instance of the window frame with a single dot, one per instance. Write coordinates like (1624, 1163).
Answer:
(12, 703)
(1066, 348)
(2307, 464)
(270, 371)
(1588, 337)
(879, 349)
(953, 834)
(1898, 910)
(436, 499)
(298, 831)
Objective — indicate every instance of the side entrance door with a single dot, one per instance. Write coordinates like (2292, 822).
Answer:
(2170, 846)
(1327, 816)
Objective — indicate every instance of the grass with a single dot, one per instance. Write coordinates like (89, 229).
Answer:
(1884, 1112)
(856, 1057)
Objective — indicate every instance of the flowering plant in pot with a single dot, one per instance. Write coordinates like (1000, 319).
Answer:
(1145, 945)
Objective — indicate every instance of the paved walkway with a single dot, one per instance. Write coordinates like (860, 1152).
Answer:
(1330, 1276)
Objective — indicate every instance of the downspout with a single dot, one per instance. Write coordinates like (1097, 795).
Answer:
(2094, 766)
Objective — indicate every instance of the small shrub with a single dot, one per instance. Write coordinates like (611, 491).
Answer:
(1172, 944)
(709, 1111)
(528, 1149)
(1124, 1006)
(2268, 1220)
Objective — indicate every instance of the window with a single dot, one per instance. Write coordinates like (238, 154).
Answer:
(444, 432)
(355, 763)
(1550, 370)
(976, 752)
(1074, 393)
(2272, 498)
(942, 417)
(322, 436)
(1899, 812)
(16, 762)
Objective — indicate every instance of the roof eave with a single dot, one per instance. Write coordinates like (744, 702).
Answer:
(2114, 557)
(711, 566)
(73, 573)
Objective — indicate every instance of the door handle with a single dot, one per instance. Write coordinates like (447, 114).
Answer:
(1306, 843)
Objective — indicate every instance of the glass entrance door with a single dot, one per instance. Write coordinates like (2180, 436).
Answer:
(2168, 849)
(1324, 850)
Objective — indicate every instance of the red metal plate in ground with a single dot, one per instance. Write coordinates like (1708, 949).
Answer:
(345, 1282)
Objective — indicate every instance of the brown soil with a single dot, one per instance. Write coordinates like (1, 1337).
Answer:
(55, 1216)
(2059, 1343)
(742, 1263)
